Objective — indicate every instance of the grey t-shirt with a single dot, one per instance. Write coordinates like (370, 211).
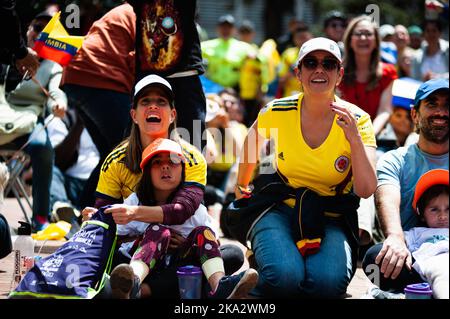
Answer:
(402, 168)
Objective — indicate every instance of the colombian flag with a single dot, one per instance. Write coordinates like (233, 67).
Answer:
(54, 43)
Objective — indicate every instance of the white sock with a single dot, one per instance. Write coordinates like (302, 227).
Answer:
(140, 269)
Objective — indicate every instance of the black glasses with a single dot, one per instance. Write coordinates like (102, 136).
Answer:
(328, 64)
(360, 34)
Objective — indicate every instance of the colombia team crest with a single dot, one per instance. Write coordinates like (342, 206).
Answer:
(341, 163)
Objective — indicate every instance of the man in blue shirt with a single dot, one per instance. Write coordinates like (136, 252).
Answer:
(398, 172)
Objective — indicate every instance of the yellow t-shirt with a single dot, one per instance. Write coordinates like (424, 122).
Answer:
(225, 160)
(118, 182)
(225, 59)
(320, 169)
(287, 65)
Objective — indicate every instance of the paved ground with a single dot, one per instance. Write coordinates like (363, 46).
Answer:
(11, 210)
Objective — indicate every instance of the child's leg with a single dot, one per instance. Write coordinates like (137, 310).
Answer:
(124, 277)
(151, 249)
(204, 246)
(435, 270)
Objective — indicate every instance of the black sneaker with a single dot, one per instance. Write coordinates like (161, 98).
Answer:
(237, 286)
(122, 281)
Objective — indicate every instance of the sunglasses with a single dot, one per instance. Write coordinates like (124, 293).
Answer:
(328, 64)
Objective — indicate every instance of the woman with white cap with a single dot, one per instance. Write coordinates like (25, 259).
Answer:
(324, 149)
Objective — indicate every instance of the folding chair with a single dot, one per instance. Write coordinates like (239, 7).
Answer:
(17, 161)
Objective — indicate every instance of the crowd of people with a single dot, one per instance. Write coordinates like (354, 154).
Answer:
(163, 126)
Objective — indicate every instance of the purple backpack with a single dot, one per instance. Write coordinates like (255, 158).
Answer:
(78, 268)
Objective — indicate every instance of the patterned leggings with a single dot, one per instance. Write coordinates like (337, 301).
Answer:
(201, 244)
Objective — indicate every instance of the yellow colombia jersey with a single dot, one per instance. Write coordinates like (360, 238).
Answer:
(118, 182)
(321, 169)
(287, 65)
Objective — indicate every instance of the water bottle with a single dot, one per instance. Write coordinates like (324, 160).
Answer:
(23, 250)
(418, 291)
(190, 282)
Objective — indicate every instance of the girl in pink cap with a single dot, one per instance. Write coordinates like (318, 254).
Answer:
(163, 166)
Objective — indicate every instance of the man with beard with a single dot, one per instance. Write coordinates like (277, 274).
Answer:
(398, 172)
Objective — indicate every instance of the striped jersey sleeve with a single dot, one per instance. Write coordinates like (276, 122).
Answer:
(109, 182)
(268, 113)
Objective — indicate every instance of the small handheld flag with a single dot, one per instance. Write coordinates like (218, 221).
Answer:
(54, 43)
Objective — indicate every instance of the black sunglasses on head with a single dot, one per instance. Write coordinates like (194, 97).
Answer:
(328, 64)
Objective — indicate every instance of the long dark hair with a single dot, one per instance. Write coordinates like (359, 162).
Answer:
(375, 67)
(145, 190)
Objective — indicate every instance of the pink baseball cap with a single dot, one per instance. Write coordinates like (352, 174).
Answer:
(161, 145)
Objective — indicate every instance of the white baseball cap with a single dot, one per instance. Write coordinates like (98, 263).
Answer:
(319, 44)
(154, 80)
(385, 30)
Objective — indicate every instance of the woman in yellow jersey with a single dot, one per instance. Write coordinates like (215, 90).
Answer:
(153, 114)
(325, 154)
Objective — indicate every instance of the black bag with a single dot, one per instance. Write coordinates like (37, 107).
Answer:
(270, 189)
(5, 238)
(242, 214)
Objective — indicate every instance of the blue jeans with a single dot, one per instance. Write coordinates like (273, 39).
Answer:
(106, 116)
(285, 273)
(42, 157)
(66, 188)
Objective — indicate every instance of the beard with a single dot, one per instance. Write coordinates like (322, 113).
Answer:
(434, 133)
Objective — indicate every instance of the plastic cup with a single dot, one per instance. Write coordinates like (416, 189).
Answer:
(190, 282)
(418, 291)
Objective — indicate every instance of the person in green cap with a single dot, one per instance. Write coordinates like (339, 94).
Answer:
(415, 36)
